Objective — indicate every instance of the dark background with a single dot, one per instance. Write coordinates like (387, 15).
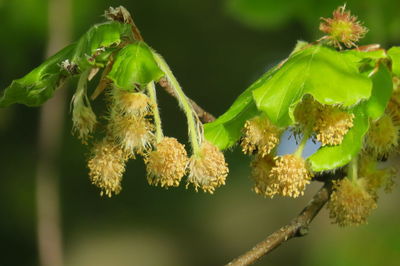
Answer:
(216, 49)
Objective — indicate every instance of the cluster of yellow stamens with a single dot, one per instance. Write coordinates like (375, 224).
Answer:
(166, 165)
(207, 168)
(350, 202)
(106, 167)
(332, 125)
(383, 136)
(260, 135)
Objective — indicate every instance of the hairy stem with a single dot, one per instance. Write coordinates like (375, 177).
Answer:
(151, 89)
(183, 101)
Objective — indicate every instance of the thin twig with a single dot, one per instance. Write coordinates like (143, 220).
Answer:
(296, 228)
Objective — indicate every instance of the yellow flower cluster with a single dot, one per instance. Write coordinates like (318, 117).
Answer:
(350, 202)
(285, 175)
(106, 167)
(207, 169)
(166, 165)
(260, 135)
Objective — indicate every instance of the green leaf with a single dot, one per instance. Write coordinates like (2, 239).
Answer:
(381, 92)
(331, 157)
(394, 54)
(331, 77)
(134, 65)
(38, 85)
(227, 129)
(95, 43)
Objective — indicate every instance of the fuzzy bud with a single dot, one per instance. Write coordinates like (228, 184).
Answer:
(332, 125)
(83, 118)
(289, 176)
(259, 135)
(166, 165)
(350, 203)
(306, 112)
(207, 168)
(106, 167)
(342, 28)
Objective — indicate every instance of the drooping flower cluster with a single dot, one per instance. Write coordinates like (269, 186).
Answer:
(208, 169)
(350, 202)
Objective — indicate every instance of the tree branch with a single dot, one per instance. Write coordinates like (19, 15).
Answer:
(296, 228)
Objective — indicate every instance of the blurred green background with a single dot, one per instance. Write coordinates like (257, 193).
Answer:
(216, 49)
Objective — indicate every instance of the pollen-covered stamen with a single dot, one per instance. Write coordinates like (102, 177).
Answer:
(383, 136)
(289, 176)
(332, 125)
(106, 167)
(130, 103)
(166, 165)
(260, 135)
(342, 28)
(260, 173)
(207, 168)
(350, 203)
(134, 134)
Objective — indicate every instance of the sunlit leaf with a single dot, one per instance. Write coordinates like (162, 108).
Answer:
(134, 65)
(329, 76)
(394, 54)
(226, 130)
(39, 84)
(381, 92)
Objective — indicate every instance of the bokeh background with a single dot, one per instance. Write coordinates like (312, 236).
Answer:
(216, 49)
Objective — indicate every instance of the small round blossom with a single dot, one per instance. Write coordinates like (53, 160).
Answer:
(289, 176)
(332, 125)
(133, 133)
(342, 28)
(130, 103)
(260, 173)
(166, 165)
(383, 136)
(207, 168)
(106, 167)
(350, 203)
(260, 135)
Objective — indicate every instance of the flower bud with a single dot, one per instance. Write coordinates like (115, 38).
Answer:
(166, 165)
(350, 203)
(207, 168)
(84, 121)
(106, 167)
(259, 135)
(342, 28)
(289, 176)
